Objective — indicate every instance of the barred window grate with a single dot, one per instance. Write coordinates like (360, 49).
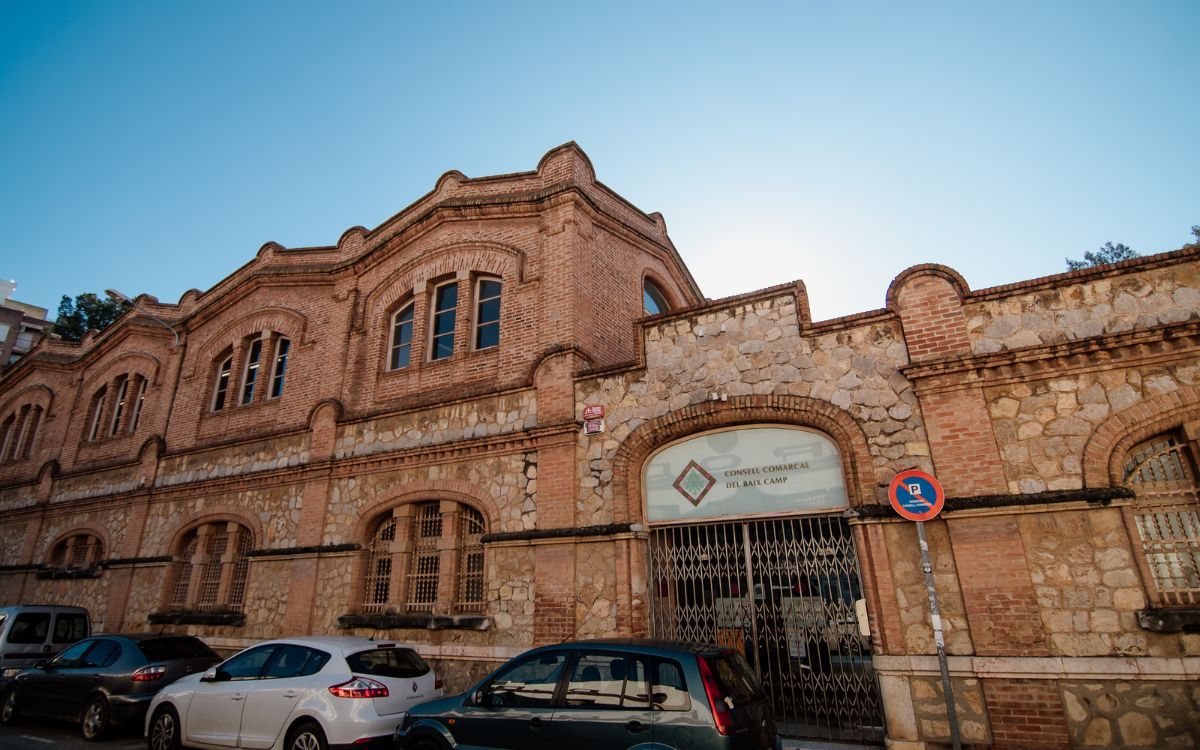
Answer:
(426, 561)
(470, 565)
(1167, 514)
(379, 567)
(183, 580)
(203, 559)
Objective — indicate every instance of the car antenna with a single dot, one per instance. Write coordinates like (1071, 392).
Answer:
(578, 627)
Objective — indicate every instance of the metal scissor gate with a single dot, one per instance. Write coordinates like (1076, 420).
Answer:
(781, 591)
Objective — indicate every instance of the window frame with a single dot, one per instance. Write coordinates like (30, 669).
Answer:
(114, 422)
(250, 367)
(437, 313)
(279, 364)
(409, 307)
(477, 322)
(653, 291)
(98, 400)
(135, 414)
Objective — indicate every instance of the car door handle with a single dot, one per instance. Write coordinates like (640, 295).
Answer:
(237, 697)
(636, 726)
(538, 722)
(291, 694)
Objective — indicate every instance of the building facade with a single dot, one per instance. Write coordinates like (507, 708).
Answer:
(507, 416)
(22, 326)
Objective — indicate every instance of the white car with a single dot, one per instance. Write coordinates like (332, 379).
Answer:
(308, 693)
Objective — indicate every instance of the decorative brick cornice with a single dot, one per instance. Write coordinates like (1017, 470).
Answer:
(425, 621)
(578, 532)
(1164, 342)
(315, 549)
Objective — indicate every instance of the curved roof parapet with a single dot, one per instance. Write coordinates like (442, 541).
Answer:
(926, 269)
(569, 160)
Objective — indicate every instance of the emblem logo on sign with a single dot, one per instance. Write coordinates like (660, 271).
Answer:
(694, 483)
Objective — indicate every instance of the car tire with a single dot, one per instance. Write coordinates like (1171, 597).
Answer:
(10, 709)
(306, 735)
(164, 730)
(93, 725)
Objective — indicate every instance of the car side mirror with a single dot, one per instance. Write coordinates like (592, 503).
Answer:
(41, 664)
(212, 674)
(483, 697)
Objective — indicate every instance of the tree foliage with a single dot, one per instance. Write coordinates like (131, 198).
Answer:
(1109, 253)
(87, 312)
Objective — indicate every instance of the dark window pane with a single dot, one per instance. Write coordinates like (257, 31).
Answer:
(487, 335)
(251, 371)
(163, 649)
(446, 297)
(30, 627)
(402, 338)
(489, 311)
(293, 661)
(248, 665)
(281, 360)
(608, 681)
(531, 682)
(653, 300)
(72, 656)
(103, 654)
(70, 628)
(443, 346)
(489, 288)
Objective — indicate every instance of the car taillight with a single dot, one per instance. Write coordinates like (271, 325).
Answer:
(437, 683)
(149, 674)
(360, 687)
(716, 702)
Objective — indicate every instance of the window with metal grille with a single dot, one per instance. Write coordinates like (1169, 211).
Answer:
(1162, 473)
(470, 561)
(211, 572)
(77, 552)
(412, 548)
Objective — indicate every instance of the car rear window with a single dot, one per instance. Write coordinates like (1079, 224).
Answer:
(734, 677)
(165, 649)
(388, 662)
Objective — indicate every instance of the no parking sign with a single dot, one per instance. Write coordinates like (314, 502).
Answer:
(916, 495)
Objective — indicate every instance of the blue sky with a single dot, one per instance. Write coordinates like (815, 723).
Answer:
(155, 146)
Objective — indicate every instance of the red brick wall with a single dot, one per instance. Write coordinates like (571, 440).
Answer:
(1026, 714)
(1002, 607)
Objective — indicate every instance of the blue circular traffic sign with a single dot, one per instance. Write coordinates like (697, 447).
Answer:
(916, 495)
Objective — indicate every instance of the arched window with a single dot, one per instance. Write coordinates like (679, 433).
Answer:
(401, 343)
(77, 552)
(96, 412)
(653, 300)
(426, 557)
(211, 567)
(262, 356)
(1162, 473)
(18, 431)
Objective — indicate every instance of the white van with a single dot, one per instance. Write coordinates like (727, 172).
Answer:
(32, 632)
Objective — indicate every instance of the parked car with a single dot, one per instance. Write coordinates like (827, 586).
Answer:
(32, 632)
(296, 693)
(104, 680)
(604, 695)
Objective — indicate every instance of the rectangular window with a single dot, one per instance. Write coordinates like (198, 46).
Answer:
(445, 308)
(21, 429)
(6, 434)
(97, 409)
(402, 329)
(137, 405)
(279, 369)
(119, 408)
(252, 361)
(487, 313)
(35, 419)
(222, 384)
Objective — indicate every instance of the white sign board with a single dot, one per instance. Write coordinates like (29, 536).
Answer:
(744, 471)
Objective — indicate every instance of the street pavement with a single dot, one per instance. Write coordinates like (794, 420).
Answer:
(30, 735)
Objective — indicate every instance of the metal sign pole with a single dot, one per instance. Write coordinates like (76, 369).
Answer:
(938, 639)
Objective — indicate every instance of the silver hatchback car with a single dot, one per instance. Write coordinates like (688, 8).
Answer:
(308, 693)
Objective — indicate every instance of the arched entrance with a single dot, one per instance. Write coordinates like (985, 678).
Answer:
(749, 548)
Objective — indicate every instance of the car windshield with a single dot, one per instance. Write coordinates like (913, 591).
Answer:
(165, 649)
(388, 662)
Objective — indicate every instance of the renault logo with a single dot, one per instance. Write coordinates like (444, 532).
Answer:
(414, 687)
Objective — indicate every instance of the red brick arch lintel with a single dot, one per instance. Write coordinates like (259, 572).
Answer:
(800, 411)
(214, 514)
(424, 491)
(1104, 455)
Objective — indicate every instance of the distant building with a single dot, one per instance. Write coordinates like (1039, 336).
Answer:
(507, 416)
(21, 325)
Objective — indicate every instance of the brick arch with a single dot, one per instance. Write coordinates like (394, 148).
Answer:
(38, 394)
(674, 302)
(62, 536)
(130, 363)
(945, 273)
(1104, 454)
(741, 410)
(282, 320)
(209, 515)
(487, 257)
(464, 493)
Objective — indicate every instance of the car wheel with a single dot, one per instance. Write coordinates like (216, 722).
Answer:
(164, 730)
(10, 711)
(306, 736)
(94, 724)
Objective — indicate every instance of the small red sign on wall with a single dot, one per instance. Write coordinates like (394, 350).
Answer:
(593, 411)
